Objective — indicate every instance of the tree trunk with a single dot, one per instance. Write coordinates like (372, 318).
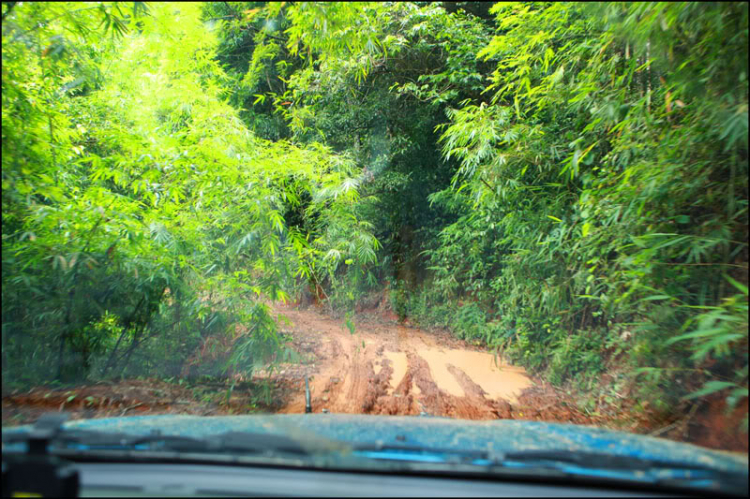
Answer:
(126, 326)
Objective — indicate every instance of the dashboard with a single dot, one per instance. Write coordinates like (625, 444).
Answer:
(168, 480)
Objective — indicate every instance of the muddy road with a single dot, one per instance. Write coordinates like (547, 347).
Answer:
(387, 368)
(381, 367)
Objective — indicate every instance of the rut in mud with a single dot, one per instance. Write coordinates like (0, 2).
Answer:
(386, 368)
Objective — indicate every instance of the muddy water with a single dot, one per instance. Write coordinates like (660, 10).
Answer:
(399, 365)
(496, 379)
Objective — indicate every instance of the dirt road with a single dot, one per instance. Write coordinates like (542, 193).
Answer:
(386, 368)
(379, 368)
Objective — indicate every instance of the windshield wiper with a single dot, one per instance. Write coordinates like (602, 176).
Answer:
(599, 460)
(582, 459)
(619, 467)
(230, 442)
(585, 465)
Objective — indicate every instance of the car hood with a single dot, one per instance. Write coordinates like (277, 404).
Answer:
(429, 432)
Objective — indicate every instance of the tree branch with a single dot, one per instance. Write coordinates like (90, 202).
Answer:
(488, 185)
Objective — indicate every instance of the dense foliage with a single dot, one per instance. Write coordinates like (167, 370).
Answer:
(141, 216)
(564, 182)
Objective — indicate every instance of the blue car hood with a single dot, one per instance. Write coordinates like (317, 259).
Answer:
(430, 432)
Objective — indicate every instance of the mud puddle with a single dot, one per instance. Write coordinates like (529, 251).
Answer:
(497, 381)
(385, 368)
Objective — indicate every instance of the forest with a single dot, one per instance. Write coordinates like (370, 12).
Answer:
(561, 183)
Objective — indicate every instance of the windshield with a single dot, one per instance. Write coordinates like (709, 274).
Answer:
(515, 212)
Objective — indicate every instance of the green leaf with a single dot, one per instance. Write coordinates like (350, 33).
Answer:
(656, 297)
(737, 285)
(709, 388)
(701, 333)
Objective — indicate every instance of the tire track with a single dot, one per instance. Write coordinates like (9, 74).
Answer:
(392, 369)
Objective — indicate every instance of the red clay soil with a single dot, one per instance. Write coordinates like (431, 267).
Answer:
(132, 397)
(715, 427)
(710, 424)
